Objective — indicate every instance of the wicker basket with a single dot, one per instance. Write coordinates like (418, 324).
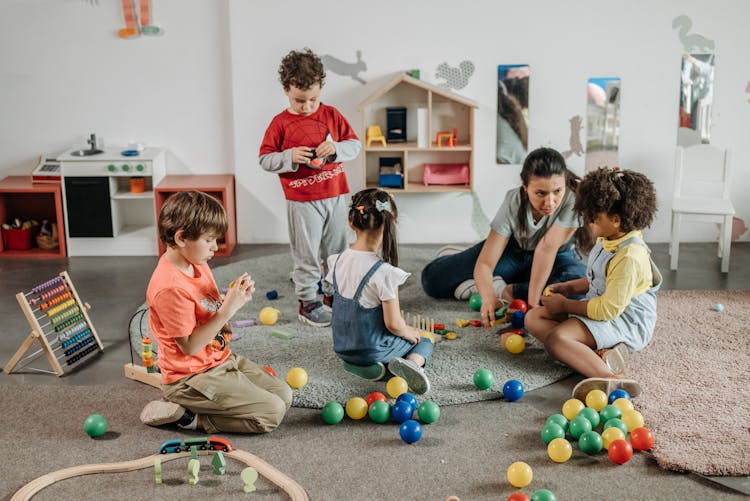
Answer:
(48, 242)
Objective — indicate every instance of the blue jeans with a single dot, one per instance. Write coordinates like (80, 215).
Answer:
(441, 276)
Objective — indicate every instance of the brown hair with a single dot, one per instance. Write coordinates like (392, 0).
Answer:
(367, 213)
(193, 212)
(301, 69)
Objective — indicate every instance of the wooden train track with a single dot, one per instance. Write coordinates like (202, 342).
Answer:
(288, 485)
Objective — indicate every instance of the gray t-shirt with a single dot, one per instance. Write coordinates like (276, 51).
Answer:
(506, 219)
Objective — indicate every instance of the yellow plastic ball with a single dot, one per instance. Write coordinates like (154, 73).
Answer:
(596, 399)
(396, 386)
(610, 435)
(571, 408)
(269, 315)
(559, 450)
(296, 377)
(519, 474)
(623, 404)
(515, 344)
(356, 408)
(632, 419)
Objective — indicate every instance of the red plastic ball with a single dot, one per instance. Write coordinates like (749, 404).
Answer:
(518, 496)
(518, 305)
(620, 451)
(269, 370)
(375, 396)
(641, 439)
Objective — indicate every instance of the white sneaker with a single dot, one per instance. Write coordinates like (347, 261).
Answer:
(447, 250)
(468, 287)
(413, 374)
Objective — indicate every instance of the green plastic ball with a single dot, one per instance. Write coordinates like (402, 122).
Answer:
(428, 412)
(617, 423)
(591, 415)
(543, 495)
(475, 302)
(379, 411)
(559, 419)
(590, 442)
(333, 413)
(483, 379)
(578, 426)
(552, 431)
(609, 412)
(95, 425)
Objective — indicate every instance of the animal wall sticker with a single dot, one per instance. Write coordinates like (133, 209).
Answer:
(343, 68)
(691, 42)
(575, 137)
(455, 78)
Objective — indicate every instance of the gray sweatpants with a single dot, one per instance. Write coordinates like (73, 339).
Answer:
(317, 229)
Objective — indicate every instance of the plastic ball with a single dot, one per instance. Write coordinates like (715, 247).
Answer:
(428, 412)
(618, 393)
(719, 307)
(269, 370)
(269, 315)
(610, 412)
(616, 423)
(620, 451)
(475, 302)
(590, 442)
(571, 408)
(401, 411)
(333, 413)
(610, 435)
(483, 379)
(375, 396)
(396, 386)
(356, 408)
(517, 319)
(519, 474)
(515, 344)
(596, 399)
(591, 415)
(632, 419)
(641, 439)
(316, 162)
(518, 305)
(410, 431)
(551, 431)
(578, 426)
(559, 450)
(408, 397)
(623, 404)
(558, 419)
(296, 377)
(379, 411)
(543, 495)
(513, 390)
(95, 425)
(518, 496)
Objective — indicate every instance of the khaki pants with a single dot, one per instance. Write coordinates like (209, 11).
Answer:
(237, 396)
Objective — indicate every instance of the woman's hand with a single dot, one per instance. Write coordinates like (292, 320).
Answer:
(487, 311)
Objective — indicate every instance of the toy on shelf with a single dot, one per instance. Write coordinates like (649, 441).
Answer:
(451, 138)
(391, 174)
(60, 324)
(374, 134)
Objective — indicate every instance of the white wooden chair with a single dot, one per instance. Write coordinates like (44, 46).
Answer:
(698, 169)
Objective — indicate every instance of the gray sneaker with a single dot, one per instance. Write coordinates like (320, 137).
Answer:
(315, 314)
(412, 373)
(468, 287)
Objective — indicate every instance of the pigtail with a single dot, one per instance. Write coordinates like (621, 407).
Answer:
(371, 210)
(390, 246)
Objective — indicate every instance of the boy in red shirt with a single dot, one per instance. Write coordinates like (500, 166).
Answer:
(305, 145)
(205, 385)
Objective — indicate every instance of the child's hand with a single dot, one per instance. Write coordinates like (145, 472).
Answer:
(325, 149)
(239, 293)
(302, 154)
(412, 335)
(554, 303)
(561, 288)
(487, 311)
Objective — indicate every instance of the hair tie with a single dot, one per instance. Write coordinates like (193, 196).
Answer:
(381, 206)
(360, 208)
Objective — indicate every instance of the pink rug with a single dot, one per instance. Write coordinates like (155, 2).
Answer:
(695, 376)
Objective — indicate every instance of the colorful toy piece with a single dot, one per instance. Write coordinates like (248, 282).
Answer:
(428, 412)
(558, 419)
(519, 474)
(95, 425)
(610, 435)
(269, 370)
(401, 411)
(559, 450)
(515, 344)
(632, 419)
(483, 379)
(450, 336)
(396, 386)
(475, 302)
(249, 476)
(551, 431)
(333, 413)
(578, 426)
(518, 305)
(641, 439)
(590, 442)
(374, 396)
(596, 399)
(272, 294)
(296, 377)
(571, 408)
(623, 404)
(379, 411)
(618, 393)
(610, 412)
(543, 495)
(356, 408)
(591, 415)
(620, 451)
(410, 431)
(518, 496)
(513, 390)
(616, 423)
(269, 315)
(517, 319)
(219, 463)
(719, 307)
(462, 322)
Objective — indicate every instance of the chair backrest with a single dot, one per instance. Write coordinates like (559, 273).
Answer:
(703, 171)
(374, 131)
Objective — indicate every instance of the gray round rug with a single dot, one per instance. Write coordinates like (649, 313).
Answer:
(450, 371)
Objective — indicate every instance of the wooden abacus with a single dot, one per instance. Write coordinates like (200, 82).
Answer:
(60, 324)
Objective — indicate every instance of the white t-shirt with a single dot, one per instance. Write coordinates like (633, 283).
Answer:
(351, 269)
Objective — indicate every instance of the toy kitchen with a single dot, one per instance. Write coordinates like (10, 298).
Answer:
(108, 198)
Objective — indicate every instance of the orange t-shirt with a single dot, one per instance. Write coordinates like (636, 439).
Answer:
(178, 304)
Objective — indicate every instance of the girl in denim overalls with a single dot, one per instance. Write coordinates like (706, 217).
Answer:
(618, 312)
(368, 329)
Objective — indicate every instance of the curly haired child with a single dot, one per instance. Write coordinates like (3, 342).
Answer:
(618, 312)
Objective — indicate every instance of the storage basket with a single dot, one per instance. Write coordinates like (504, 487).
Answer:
(17, 238)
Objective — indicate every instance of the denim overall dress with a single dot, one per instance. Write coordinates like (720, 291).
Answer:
(635, 325)
(360, 335)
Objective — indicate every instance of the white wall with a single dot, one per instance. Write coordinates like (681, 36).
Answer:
(209, 87)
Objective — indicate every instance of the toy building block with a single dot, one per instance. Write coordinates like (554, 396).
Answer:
(462, 322)
(374, 133)
(157, 470)
(193, 452)
(194, 466)
(282, 334)
(219, 463)
(249, 475)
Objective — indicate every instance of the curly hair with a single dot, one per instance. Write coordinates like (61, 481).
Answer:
(372, 209)
(193, 212)
(301, 69)
(626, 193)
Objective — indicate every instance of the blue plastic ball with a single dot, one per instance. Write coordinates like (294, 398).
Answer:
(410, 431)
(618, 393)
(401, 411)
(272, 295)
(408, 397)
(517, 319)
(512, 390)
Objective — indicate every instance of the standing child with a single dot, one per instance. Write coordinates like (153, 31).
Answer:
(618, 312)
(368, 329)
(305, 145)
(205, 385)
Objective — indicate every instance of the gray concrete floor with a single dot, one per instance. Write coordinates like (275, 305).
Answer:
(115, 287)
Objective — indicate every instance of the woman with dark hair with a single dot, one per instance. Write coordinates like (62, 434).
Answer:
(530, 244)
